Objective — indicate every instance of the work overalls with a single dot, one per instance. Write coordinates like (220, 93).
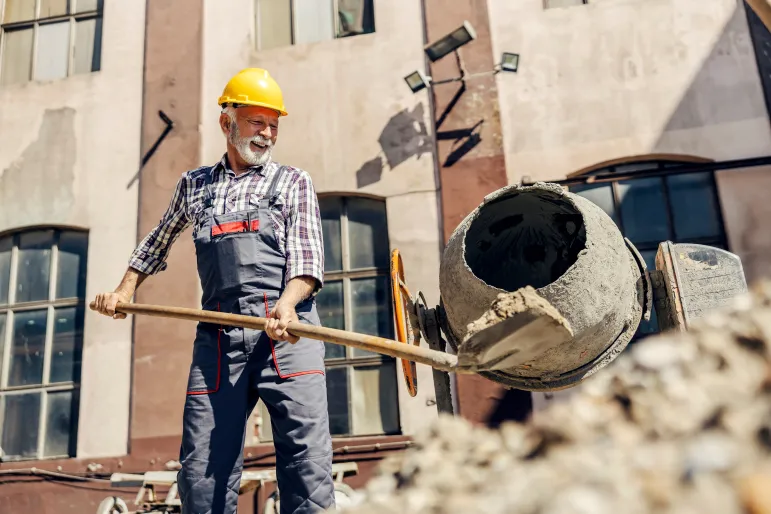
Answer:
(241, 267)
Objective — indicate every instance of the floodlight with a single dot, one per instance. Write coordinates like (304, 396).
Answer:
(416, 81)
(451, 42)
(509, 62)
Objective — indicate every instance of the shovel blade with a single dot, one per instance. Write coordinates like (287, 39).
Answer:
(513, 337)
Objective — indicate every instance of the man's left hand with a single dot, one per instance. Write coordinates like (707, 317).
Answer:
(279, 319)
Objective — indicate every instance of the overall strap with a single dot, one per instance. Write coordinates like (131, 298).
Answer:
(208, 178)
(273, 190)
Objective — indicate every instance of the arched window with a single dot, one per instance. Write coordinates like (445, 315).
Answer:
(651, 202)
(361, 385)
(42, 291)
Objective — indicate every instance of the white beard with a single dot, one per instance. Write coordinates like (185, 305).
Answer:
(246, 150)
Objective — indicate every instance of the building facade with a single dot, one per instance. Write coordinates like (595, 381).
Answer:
(104, 103)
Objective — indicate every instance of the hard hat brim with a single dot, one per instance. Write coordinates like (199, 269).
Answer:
(226, 100)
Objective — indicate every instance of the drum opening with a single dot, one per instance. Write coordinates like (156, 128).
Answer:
(528, 238)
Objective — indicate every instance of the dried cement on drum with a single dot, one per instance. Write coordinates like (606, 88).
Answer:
(680, 423)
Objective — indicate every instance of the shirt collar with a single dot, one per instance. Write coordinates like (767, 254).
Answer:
(261, 169)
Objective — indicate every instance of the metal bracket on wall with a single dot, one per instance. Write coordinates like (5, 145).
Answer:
(169, 127)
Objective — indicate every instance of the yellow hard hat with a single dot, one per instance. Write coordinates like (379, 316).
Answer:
(254, 86)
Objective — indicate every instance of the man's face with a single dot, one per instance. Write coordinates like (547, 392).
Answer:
(254, 133)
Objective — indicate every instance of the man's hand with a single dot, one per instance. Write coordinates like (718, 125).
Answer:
(283, 314)
(106, 302)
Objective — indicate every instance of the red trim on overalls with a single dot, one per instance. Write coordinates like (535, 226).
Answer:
(234, 227)
(273, 351)
(219, 365)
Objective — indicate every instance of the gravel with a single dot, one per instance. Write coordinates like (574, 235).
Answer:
(680, 423)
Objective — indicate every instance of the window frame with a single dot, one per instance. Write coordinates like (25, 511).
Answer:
(334, 5)
(9, 309)
(36, 22)
(345, 276)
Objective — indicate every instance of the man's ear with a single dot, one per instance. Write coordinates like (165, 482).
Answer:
(225, 123)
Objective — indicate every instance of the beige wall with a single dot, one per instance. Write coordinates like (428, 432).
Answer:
(746, 213)
(626, 77)
(69, 150)
(341, 96)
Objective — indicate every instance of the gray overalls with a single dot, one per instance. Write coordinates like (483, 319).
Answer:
(241, 268)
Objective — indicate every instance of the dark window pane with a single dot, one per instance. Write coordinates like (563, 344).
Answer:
(65, 350)
(71, 279)
(337, 401)
(21, 418)
(87, 54)
(599, 194)
(367, 233)
(371, 309)
(6, 245)
(643, 210)
(649, 256)
(651, 326)
(331, 210)
(28, 348)
(329, 303)
(34, 266)
(58, 424)
(694, 208)
(374, 406)
(355, 17)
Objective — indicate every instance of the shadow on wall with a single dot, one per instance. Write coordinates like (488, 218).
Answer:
(713, 97)
(404, 136)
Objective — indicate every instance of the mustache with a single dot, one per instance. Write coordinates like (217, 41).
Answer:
(261, 140)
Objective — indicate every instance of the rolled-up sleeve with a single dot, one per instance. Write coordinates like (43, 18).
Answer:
(150, 256)
(304, 242)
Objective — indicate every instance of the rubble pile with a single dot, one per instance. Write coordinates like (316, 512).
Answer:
(681, 423)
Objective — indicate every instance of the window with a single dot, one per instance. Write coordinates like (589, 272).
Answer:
(681, 208)
(361, 385)
(49, 39)
(287, 22)
(42, 290)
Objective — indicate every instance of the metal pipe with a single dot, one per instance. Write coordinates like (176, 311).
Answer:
(433, 358)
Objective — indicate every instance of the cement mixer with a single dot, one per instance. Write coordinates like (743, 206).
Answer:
(539, 290)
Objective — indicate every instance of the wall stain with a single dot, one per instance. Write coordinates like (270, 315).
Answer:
(38, 186)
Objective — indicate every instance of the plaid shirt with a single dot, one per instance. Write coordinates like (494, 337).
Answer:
(297, 226)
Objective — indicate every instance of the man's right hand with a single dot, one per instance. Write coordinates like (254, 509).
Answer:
(106, 302)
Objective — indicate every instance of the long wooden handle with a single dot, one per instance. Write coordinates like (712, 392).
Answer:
(438, 360)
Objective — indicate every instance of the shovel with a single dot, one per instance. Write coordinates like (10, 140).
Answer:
(437, 360)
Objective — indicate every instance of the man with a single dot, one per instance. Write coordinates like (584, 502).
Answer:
(258, 241)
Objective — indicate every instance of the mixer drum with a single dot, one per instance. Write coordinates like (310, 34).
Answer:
(567, 249)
